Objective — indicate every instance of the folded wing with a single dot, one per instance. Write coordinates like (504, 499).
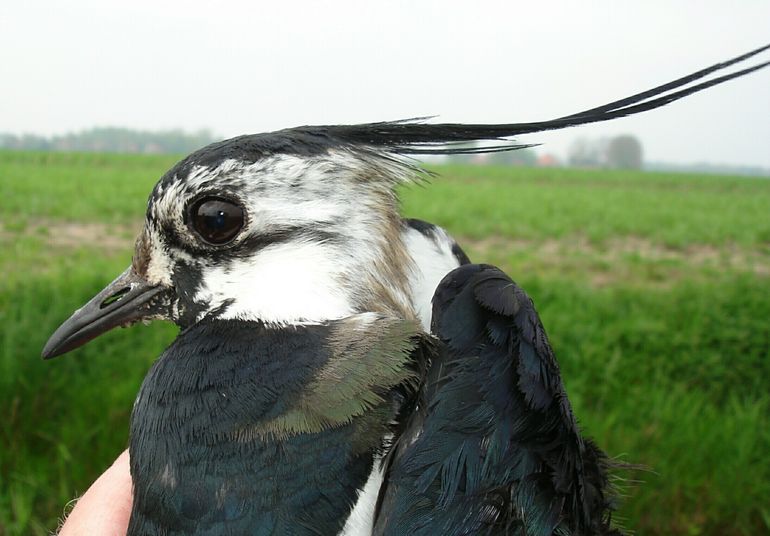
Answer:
(492, 446)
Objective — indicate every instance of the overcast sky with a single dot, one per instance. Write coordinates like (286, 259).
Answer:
(251, 66)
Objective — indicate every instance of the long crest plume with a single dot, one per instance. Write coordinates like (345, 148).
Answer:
(416, 137)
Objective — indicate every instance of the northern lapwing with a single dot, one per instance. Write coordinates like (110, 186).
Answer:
(313, 388)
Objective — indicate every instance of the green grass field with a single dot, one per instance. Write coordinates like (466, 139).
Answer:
(654, 289)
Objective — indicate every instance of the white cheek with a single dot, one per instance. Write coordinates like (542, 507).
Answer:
(284, 283)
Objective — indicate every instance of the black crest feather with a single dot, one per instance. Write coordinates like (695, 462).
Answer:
(418, 137)
(414, 136)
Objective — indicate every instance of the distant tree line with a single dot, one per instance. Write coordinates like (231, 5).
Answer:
(113, 140)
(620, 152)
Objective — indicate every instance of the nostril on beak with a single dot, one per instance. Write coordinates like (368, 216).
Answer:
(115, 297)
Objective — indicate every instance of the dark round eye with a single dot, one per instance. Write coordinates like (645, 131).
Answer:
(216, 220)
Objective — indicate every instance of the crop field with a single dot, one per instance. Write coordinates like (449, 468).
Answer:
(654, 289)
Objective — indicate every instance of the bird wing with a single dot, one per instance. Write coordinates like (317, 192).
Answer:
(492, 447)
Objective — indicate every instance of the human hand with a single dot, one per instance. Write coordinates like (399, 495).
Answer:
(106, 507)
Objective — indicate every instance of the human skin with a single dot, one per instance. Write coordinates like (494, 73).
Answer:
(106, 507)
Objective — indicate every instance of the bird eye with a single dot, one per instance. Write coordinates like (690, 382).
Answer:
(216, 220)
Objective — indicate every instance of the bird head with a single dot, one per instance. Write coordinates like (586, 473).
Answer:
(283, 228)
(302, 225)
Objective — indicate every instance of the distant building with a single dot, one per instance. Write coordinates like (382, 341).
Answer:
(548, 160)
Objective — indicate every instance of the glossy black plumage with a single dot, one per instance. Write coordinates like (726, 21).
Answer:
(493, 447)
(221, 443)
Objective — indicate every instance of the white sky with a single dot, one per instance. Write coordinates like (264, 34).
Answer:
(252, 66)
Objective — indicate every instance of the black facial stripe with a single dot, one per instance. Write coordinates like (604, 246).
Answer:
(245, 247)
(284, 235)
(187, 280)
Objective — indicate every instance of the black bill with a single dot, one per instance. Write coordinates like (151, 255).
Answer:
(127, 299)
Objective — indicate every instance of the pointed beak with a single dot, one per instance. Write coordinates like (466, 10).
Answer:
(126, 300)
